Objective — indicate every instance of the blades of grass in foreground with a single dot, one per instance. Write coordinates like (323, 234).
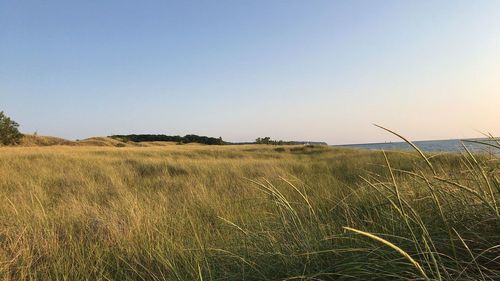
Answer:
(474, 261)
(200, 274)
(395, 185)
(399, 250)
(471, 254)
(485, 178)
(471, 191)
(412, 145)
(302, 194)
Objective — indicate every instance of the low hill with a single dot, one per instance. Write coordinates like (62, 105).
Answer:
(35, 140)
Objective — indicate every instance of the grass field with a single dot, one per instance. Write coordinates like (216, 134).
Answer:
(250, 212)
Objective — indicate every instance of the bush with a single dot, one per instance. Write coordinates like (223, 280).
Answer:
(9, 134)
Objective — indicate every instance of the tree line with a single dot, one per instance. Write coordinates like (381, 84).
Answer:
(268, 140)
(177, 139)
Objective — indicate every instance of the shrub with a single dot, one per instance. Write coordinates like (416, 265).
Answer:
(9, 134)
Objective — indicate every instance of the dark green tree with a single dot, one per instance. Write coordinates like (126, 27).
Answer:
(265, 140)
(9, 134)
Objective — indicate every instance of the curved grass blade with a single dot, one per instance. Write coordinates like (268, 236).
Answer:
(396, 248)
(411, 144)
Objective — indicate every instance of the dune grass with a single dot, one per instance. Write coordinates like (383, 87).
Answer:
(28, 140)
(250, 212)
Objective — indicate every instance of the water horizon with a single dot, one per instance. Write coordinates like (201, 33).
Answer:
(446, 145)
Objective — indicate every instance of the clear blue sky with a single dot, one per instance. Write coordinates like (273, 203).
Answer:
(301, 70)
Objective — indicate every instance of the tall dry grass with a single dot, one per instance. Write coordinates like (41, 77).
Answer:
(246, 213)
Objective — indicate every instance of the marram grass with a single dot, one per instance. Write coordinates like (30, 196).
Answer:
(248, 212)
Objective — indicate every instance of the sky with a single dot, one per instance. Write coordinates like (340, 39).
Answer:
(291, 70)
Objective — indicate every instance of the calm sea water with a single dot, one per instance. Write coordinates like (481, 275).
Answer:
(430, 146)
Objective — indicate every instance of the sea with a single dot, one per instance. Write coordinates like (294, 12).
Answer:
(452, 145)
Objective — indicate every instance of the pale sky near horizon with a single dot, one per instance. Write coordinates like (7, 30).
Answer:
(292, 70)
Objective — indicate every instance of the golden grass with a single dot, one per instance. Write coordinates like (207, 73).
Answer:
(249, 212)
(35, 140)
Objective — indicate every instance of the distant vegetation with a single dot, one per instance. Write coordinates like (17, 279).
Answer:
(268, 140)
(177, 139)
(9, 134)
(203, 140)
(246, 212)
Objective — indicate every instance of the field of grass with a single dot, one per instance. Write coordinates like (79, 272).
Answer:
(250, 212)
